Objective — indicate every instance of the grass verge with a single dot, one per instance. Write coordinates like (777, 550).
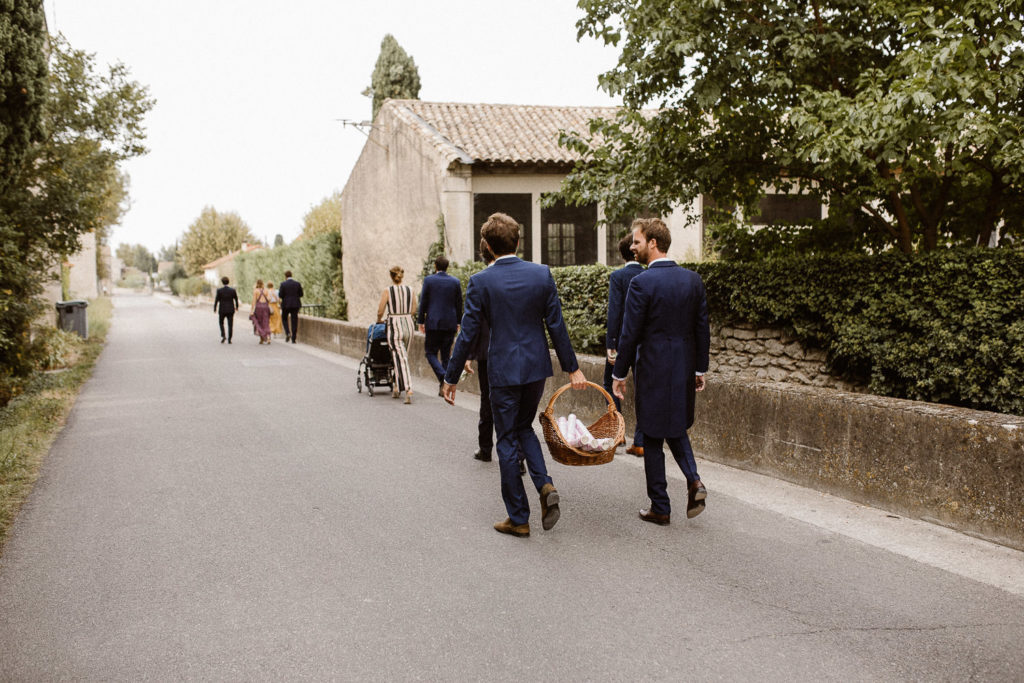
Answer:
(30, 423)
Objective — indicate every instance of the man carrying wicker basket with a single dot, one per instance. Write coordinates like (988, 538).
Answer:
(519, 301)
(665, 339)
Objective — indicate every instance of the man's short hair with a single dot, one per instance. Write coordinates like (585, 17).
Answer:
(486, 255)
(441, 264)
(287, 273)
(225, 280)
(655, 229)
(624, 246)
(502, 233)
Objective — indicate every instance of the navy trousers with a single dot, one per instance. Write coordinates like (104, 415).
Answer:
(638, 436)
(514, 410)
(230, 317)
(486, 424)
(290, 319)
(437, 342)
(654, 468)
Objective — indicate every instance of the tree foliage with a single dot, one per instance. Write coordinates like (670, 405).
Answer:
(395, 75)
(136, 256)
(904, 117)
(212, 235)
(323, 218)
(68, 182)
(23, 84)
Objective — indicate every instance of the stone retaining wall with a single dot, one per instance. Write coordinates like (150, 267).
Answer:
(769, 354)
(953, 466)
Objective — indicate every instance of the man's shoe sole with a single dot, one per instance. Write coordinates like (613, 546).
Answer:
(551, 516)
(692, 512)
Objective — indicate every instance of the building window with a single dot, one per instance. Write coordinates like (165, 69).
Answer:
(787, 209)
(568, 235)
(518, 206)
(561, 244)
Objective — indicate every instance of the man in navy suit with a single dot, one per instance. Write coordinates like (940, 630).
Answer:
(665, 339)
(439, 315)
(290, 293)
(227, 301)
(618, 284)
(519, 301)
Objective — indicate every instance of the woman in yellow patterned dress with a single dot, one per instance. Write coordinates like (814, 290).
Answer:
(276, 327)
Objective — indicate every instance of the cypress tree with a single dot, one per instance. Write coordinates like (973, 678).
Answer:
(395, 75)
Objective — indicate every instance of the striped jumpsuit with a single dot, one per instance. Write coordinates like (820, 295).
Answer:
(400, 329)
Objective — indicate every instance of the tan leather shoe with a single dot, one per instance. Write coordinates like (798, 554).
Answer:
(549, 512)
(654, 517)
(697, 495)
(507, 527)
(638, 451)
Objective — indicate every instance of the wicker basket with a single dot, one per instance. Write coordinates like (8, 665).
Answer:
(610, 425)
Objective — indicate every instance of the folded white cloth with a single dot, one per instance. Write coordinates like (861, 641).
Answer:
(578, 436)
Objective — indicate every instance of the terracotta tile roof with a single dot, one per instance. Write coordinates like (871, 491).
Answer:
(231, 256)
(497, 133)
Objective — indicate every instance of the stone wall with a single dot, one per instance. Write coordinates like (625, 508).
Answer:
(953, 466)
(768, 354)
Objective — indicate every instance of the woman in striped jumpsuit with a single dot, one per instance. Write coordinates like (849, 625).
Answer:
(397, 304)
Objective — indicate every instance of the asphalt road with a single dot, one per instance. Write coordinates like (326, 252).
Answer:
(216, 512)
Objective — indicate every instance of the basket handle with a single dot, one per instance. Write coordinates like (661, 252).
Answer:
(566, 387)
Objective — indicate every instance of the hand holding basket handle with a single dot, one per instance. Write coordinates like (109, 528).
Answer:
(577, 380)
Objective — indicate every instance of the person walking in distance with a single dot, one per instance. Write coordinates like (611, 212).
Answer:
(397, 303)
(439, 314)
(665, 339)
(290, 293)
(618, 284)
(519, 300)
(226, 301)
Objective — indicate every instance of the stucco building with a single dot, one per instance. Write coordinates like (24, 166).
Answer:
(463, 162)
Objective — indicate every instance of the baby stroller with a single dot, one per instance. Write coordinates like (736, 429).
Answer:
(375, 369)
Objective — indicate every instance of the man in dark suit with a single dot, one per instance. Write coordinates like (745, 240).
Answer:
(478, 353)
(290, 293)
(227, 301)
(439, 315)
(665, 339)
(618, 284)
(519, 301)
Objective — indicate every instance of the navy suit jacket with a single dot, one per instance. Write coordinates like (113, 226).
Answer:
(440, 302)
(227, 297)
(519, 301)
(665, 339)
(290, 293)
(618, 284)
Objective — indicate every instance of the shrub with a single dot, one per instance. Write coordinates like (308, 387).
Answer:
(314, 261)
(190, 286)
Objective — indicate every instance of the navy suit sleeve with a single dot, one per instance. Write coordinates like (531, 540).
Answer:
(458, 300)
(616, 295)
(634, 319)
(470, 328)
(556, 328)
(216, 300)
(424, 296)
(702, 330)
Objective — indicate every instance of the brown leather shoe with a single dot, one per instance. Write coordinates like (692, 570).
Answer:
(697, 495)
(549, 512)
(654, 517)
(507, 527)
(638, 451)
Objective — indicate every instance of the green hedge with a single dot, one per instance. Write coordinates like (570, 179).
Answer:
(945, 327)
(315, 262)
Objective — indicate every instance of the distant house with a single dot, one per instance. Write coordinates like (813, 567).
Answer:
(464, 162)
(225, 265)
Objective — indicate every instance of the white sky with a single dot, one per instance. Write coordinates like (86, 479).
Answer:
(248, 91)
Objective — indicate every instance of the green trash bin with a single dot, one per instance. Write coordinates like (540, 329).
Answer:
(71, 317)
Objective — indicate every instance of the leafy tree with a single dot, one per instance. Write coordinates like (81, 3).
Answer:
(395, 75)
(68, 181)
(23, 84)
(904, 117)
(212, 235)
(169, 253)
(137, 256)
(323, 218)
